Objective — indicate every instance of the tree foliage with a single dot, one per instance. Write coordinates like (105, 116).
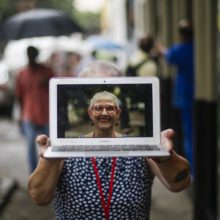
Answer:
(7, 8)
(65, 5)
(89, 21)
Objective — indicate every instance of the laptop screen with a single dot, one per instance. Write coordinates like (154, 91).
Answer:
(82, 109)
(135, 102)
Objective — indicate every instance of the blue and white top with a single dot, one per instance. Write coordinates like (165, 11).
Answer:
(77, 196)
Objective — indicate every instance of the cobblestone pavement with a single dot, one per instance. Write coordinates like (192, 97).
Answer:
(13, 165)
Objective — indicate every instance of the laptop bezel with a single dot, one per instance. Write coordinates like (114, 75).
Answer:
(55, 141)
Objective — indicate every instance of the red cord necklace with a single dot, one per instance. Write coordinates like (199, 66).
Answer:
(105, 205)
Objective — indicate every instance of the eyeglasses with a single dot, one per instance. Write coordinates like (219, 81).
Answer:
(100, 108)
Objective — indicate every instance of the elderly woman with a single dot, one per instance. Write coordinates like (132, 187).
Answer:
(105, 188)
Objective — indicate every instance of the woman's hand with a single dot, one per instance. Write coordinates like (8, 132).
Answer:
(43, 143)
(42, 182)
(167, 142)
(167, 139)
(173, 171)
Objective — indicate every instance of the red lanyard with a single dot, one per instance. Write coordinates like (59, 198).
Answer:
(105, 206)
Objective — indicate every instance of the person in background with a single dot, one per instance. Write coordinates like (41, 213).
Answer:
(143, 62)
(86, 60)
(71, 64)
(32, 85)
(104, 187)
(55, 62)
(181, 55)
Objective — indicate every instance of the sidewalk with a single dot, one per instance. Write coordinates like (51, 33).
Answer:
(170, 206)
(13, 166)
(7, 188)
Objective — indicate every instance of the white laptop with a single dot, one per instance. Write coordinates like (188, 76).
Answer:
(139, 124)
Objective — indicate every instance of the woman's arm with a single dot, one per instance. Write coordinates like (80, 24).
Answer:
(42, 182)
(173, 172)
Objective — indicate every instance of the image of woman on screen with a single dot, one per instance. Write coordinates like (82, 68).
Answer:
(104, 111)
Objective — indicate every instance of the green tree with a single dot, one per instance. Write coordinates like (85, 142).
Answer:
(7, 8)
(65, 5)
(89, 21)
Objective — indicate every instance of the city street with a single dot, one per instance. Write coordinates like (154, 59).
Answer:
(13, 165)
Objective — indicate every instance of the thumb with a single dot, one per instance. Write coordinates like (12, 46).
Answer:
(42, 140)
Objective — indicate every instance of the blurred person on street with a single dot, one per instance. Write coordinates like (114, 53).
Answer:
(181, 55)
(71, 64)
(56, 62)
(104, 187)
(143, 62)
(32, 93)
(86, 60)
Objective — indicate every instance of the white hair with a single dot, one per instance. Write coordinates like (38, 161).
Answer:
(100, 68)
(104, 95)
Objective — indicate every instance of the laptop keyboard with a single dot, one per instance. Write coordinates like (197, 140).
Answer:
(105, 148)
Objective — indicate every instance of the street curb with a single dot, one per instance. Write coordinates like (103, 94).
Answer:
(7, 188)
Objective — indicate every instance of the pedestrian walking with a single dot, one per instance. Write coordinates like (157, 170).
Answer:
(32, 85)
